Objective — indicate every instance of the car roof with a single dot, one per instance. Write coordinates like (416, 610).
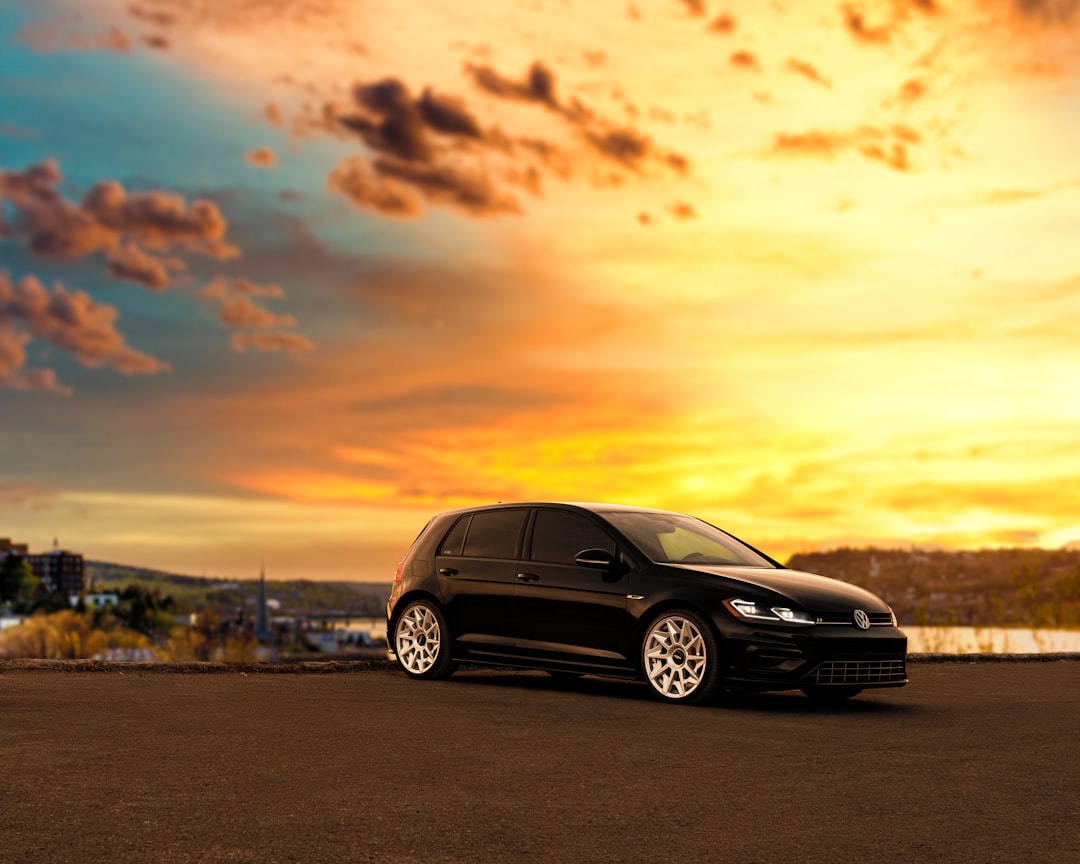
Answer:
(592, 506)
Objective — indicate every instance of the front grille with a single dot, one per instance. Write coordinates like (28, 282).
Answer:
(877, 619)
(858, 672)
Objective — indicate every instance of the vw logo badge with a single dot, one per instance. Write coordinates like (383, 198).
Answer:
(862, 620)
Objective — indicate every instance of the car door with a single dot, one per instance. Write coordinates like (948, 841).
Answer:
(477, 565)
(566, 611)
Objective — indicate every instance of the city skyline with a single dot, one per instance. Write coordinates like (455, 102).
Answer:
(279, 280)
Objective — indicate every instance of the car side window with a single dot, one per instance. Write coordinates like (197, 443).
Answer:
(455, 540)
(558, 536)
(494, 534)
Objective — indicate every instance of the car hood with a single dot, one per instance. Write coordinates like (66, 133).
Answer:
(810, 591)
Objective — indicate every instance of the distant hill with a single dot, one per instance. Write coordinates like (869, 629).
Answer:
(194, 593)
(1003, 587)
(999, 587)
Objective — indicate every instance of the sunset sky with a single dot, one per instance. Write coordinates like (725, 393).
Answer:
(279, 279)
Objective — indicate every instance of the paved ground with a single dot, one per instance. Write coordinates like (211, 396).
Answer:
(970, 763)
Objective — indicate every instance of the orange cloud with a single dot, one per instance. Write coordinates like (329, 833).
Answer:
(273, 341)
(236, 308)
(262, 157)
(806, 70)
(889, 146)
(745, 60)
(129, 261)
(107, 216)
(722, 23)
(69, 320)
(13, 372)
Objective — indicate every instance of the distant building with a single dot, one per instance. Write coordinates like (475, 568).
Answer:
(93, 601)
(60, 570)
(9, 548)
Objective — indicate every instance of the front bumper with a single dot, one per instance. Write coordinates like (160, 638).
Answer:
(822, 656)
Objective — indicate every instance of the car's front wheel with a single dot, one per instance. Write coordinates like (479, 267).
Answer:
(679, 658)
(422, 641)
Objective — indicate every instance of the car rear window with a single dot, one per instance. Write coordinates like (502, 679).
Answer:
(455, 540)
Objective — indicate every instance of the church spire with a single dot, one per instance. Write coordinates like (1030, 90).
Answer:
(262, 619)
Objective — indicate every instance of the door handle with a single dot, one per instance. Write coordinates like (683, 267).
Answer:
(528, 577)
(447, 571)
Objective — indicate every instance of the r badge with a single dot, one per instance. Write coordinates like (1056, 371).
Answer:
(862, 620)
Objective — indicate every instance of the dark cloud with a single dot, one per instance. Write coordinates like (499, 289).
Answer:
(428, 148)
(394, 123)
(448, 115)
(538, 86)
(107, 218)
(71, 321)
(391, 122)
(354, 179)
(129, 261)
(626, 146)
(471, 191)
(695, 7)
(432, 148)
(160, 219)
(683, 210)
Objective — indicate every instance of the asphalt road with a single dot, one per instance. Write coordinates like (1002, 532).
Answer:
(969, 763)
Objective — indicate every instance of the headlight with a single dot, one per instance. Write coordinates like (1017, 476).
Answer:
(758, 612)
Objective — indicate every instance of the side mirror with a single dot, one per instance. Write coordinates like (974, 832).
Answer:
(597, 559)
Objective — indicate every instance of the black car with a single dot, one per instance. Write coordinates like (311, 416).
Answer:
(628, 592)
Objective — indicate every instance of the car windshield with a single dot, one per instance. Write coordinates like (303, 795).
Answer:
(670, 538)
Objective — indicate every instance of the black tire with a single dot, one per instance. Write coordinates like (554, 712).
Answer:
(422, 642)
(831, 694)
(680, 659)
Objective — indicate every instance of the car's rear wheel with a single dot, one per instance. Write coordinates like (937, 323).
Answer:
(831, 694)
(422, 641)
(679, 658)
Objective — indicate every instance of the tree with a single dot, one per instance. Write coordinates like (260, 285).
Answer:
(17, 580)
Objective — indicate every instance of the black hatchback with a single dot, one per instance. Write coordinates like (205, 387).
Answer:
(599, 589)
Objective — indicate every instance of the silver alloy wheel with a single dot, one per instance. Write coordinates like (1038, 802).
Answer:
(418, 638)
(675, 657)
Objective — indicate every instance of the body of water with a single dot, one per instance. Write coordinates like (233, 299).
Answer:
(990, 640)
